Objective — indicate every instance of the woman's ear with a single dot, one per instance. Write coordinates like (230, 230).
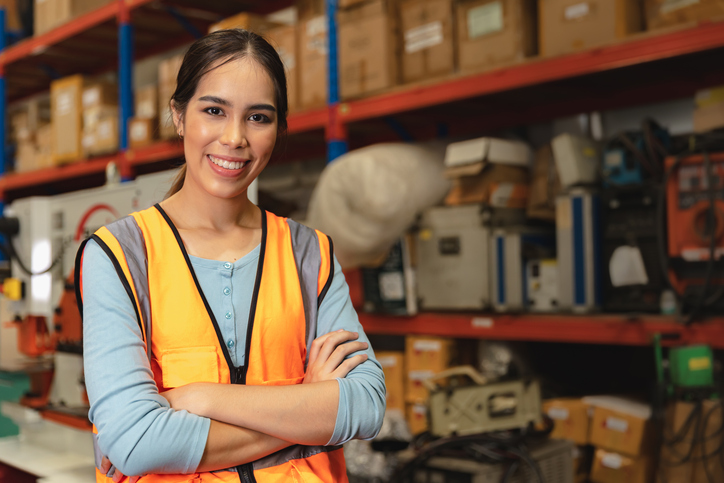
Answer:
(177, 120)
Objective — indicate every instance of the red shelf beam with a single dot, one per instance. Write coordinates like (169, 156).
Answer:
(648, 48)
(13, 181)
(38, 44)
(592, 329)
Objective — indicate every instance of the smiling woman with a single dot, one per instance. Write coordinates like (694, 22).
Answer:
(218, 336)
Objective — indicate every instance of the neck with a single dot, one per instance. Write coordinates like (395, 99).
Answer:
(206, 212)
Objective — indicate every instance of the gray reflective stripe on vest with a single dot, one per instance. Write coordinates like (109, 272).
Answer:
(308, 258)
(130, 237)
(291, 453)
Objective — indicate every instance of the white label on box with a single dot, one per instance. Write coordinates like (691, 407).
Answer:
(612, 460)
(423, 37)
(88, 140)
(317, 26)
(419, 410)
(486, 19)
(91, 96)
(482, 323)
(288, 58)
(672, 5)
(502, 195)
(139, 131)
(616, 424)
(65, 103)
(105, 129)
(145, 109)
(387, 361)
(558, 414)
(318, 44)
(420, 375)
(427, 345)
(579, 10)
(392, 286)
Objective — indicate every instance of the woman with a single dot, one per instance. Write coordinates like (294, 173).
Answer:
(220, 281)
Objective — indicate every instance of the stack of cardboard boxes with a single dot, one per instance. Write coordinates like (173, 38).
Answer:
(619, 431)
(671, 13)
(167, 73)
(50, 14)
(100, 118)
(143, 126)
(312, 52)
(30, 131)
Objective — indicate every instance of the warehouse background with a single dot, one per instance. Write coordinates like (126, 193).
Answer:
(531, 188)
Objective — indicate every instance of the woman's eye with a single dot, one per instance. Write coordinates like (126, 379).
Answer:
(259, 118)
(214, 111)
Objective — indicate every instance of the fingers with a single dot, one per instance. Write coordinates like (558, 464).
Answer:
(344, 368)
(105, 465)
(133, 479)
(118, 476)
(333, 340)
(342, 351)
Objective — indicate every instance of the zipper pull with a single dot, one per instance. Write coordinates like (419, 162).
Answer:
(237, 375)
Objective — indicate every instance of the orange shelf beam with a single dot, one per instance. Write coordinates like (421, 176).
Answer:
(647, 47)
(36, 45)
(307, 121)
(12, 181)
(591, 329)
(159, 151)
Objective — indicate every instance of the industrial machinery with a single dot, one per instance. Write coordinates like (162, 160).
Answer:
(511, 249)
(695, 219)
(578, 250)
(633, 157)
(482, 406)
(453, 253)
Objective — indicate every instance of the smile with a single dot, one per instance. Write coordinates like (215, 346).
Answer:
(228, 164)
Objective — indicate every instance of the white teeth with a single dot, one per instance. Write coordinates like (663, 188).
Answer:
(227, 164)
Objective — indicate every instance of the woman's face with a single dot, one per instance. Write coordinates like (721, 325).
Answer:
(229, 128)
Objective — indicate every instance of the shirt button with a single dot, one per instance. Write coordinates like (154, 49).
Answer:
(230, 344)
(227, 265)
(227, 290)
(228, 315)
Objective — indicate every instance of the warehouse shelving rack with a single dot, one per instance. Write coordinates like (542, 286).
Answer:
(648, 67)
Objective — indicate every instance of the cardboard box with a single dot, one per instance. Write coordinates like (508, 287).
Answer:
(667, 13)
(167, 73)
(66, 106)
(307, 9)
(141, 131)
(49, 14)
(416, 415)
(544, 186)
(709, 97)
(146, 102)
(427, 47)
(393, 365)
(571, 25)
(610, 467)
(343, 4)
(620, 425)
(424, 357)
(100, 134)
(570, 418)
(709, 117)
(493, 33)
(100, 94)
(284, 40)
(34, 153)
(367, 40)
(313, 62)
(245, 20)
(12, 15)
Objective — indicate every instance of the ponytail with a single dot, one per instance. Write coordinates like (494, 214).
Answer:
(178, 182)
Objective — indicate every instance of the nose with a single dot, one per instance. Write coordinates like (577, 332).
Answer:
(233, 135)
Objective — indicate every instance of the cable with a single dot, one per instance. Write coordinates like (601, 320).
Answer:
(9, 251)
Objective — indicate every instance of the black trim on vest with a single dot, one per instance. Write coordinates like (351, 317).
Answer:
(325, 289)
(121, 275)
(179, 241)
(76, 277)
(255, 295)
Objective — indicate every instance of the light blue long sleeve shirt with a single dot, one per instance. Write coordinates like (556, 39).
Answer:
(138, 431)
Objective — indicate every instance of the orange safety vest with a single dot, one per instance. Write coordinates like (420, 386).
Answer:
(183, 339)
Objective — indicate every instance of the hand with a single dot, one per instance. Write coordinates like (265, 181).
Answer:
(327, 356)
(117, 475)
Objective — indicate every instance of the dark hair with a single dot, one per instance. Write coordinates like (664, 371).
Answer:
(217, 49)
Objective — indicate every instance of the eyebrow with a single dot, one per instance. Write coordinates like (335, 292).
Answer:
(224, 102)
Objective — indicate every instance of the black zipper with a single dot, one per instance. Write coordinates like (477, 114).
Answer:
(237, 375)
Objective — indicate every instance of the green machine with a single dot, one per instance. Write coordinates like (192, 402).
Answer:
(13, 385)
(690, 367)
